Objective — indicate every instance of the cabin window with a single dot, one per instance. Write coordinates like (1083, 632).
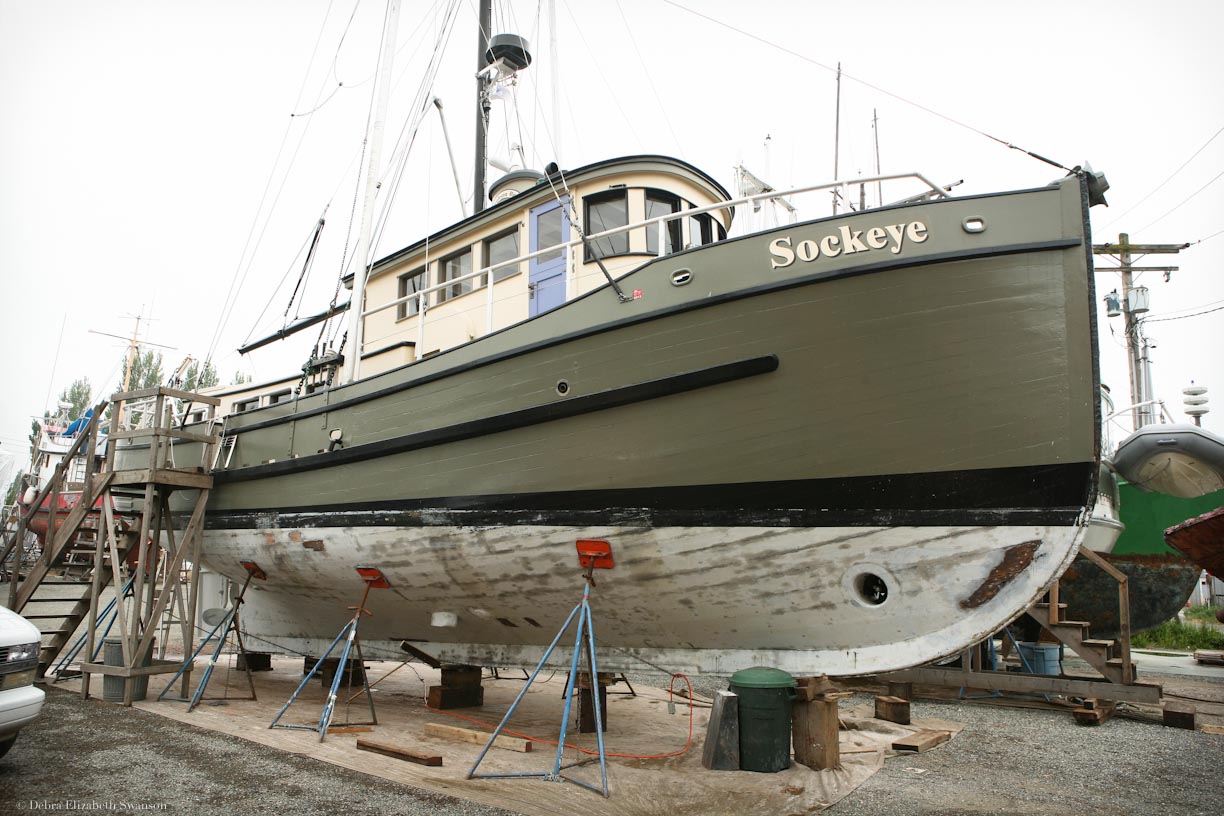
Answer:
(659, 203)
(500, 248)
(607, 211)
(456, 266)
(411, 283)
(195, 416)
(280, 396)
(246, 405)
(699, 230)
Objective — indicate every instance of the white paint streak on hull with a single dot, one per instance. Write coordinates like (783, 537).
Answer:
(710, 600)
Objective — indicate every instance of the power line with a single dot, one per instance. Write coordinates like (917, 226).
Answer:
(1182, 317)
(1166, 181)
(1187, 198)
(1208, 238)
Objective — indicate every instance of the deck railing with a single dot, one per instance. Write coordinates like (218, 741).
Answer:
(423, 296)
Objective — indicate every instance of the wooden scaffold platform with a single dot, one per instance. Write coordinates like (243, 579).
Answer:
(140, 541)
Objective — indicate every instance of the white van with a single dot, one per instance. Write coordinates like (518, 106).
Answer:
(20, 701)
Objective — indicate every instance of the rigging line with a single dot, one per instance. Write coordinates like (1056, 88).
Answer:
(1166, 181)
(654, 89)
(399, 154)
(1184, 201)
(304, 278)
(1182, 317)
(249, 251)
(412, 126)
(866, 84)
(625, 118)
(280, 283)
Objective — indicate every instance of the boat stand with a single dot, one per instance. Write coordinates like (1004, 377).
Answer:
(221, 631)
(592, 555)
(374, 579)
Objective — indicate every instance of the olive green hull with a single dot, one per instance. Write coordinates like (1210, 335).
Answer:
(923, 416)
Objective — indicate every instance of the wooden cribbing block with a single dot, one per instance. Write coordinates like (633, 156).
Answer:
(448, 697)
(921, 741)
(892, 709)
(1209, 656)
(903, 690)
(1179, 715)
(451, 732)
(460, 689)
(1094, 711)
(814, 727)
(399, 752)
(721, 751)
(809, 688)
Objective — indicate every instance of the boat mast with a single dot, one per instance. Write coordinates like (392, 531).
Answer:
(482, 104)
(373, 143)
(837, 136)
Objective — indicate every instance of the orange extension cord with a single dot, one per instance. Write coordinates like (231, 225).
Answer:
(670, 698)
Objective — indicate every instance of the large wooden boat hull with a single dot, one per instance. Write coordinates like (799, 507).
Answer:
(1160, 578)
(1202, 540)
(755, 443)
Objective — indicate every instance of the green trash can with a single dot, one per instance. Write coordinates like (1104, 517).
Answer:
(765, 697)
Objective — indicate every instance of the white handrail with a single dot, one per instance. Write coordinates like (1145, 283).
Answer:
(422, 295)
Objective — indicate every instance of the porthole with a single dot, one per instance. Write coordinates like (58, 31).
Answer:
(563, 387)
(869, 585)
(681, 277)
(974, 223)
(871, 588)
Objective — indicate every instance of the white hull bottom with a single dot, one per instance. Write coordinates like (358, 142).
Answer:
(706, 600)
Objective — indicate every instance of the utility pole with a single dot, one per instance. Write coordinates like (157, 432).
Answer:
(1133, 302)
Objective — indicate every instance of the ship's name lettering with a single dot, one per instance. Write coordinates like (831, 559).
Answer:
(785, 251)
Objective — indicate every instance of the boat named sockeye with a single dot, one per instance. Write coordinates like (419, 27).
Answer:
(849, 466)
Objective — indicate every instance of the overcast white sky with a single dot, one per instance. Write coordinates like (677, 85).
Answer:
(138, 139)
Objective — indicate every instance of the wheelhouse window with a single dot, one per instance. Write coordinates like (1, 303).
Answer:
(456, 266)
(280, 396)
(699, 230)
(501, 248)
(411, 283)
(246, 405)
(606, 211)
(659, 203)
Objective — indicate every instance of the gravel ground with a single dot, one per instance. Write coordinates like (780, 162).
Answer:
(1016, 761)
(104, 758)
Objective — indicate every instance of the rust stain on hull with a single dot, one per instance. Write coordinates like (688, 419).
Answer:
(1016, 560)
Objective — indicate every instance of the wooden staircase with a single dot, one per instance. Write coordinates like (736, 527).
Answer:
(97, 543)
(1103, 655)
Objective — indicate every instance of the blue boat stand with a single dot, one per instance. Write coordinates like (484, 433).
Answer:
(221, 632)
(585, 625)
(350, 639)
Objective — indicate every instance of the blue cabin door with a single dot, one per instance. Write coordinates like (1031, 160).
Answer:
(546, 273)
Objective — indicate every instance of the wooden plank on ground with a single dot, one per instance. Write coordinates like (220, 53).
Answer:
(452, 732)
(921, 741)
(398, 752)
(1209, 656)
(351, 729)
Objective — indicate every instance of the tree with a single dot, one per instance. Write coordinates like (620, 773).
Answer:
(146, 371)
(14, 490)
(240, 378)
(196, 379)
(78, 397)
